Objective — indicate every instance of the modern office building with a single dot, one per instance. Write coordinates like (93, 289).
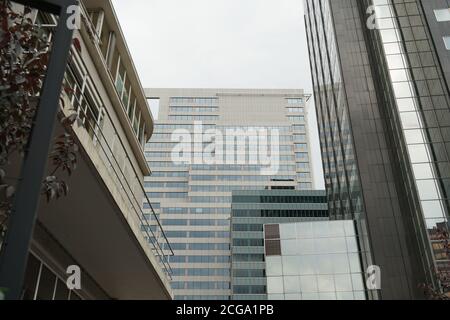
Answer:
(437, 13)
(380, 76)
(265, 146)
(314, 261)
(251, 210)
(97, 226)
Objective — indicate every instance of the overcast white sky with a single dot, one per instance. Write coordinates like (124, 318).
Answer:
(220, 44)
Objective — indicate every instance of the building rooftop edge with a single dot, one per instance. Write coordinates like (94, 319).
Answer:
(155, 92)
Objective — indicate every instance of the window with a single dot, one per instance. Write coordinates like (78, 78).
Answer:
(190, 100)
(193, 118)
(249, 289)
(447, 42)
(46, 284)
(296, 118)
(295, 101)
(442, 14)
(41, 283)
(296, 110)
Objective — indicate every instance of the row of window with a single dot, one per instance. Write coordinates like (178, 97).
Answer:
(170, 174)
(301, 146)
(303, 166)
(154, 205)
(205, 199)
(227, 140)
(248, 242)
(232, 167)
(248, 258)
(299, 128)
(168, 185)
(224, 188)
(300, 138)
(203, 298)
(191, 100)
(282, 129)
(199, 259)
(295, 100)
(196, 222)
(241, 178)
(201, 272)
(293, 199)
(280, 213)
(167, 164)
(193, 109)
(248, 227)
(199, 246)
(193, 118)
(296, 118)
(279, 199)
(249, 289)
(302, 156)
(303, 175)
(162, 127)
(162, 145)
(249, 273)
(170, 127)
(285, 168)
(226, 199)
(247, 148)
(216, 285)
(296, 110)
(167, 195)
(221, 188)
(179, 210)
(198, 234)
(224, 167)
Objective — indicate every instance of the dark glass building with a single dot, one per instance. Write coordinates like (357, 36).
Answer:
(251, 210)
(381, 85)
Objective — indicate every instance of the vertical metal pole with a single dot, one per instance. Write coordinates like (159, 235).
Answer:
(14, 256)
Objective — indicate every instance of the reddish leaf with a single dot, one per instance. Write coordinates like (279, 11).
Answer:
(77, 44)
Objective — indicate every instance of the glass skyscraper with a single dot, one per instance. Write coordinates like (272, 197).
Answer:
(192, 190)
(380, 71)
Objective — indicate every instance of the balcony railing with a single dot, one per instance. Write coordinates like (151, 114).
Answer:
(99, 125)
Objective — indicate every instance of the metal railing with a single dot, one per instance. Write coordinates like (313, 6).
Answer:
(154, 233)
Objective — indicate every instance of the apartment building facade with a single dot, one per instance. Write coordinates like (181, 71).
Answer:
(226, 130)
(380, 75)
(97, 227)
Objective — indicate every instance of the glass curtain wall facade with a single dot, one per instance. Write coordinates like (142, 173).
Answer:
(399, 117)
(418, 107)
(193, 197)
(313, 261)
(251, 210)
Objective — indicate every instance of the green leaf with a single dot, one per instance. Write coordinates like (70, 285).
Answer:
(3, 293)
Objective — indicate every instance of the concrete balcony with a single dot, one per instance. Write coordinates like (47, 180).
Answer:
(100, 225)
